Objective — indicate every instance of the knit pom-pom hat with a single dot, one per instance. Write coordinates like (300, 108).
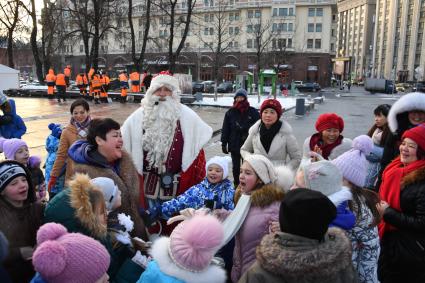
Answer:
(68, 257)
(194, 242)
(353, 164)
(10, 146)
(329, 121)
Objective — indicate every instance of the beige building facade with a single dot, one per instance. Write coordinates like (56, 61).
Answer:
(399, 49)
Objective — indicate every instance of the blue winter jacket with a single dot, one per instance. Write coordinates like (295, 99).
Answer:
(52, 145)
(154, 274)
(38, 279)
(17, 128)
(345, 219)
(221, 195)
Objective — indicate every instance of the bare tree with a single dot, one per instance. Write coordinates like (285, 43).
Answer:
(10, 16)
(176, 20)
(146, 8)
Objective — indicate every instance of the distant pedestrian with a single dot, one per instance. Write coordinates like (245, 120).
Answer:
(60, 87)
(15, 128)
(236, 124)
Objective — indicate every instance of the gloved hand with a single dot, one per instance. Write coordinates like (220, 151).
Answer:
(150, 215)
(224, 149)
(141, 260)
(51, 183)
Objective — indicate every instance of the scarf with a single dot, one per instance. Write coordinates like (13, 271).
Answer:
(316, 139)
(267, 135)
(390, 186)
(81, 127)
(377, 136)
(241, 106)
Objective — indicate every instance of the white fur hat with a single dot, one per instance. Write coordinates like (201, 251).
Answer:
(222, 161)
(164, 79)
(408, 102)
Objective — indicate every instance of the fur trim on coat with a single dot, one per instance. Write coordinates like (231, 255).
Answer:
(159, 252)
(263, 196)
(284, 144)
(80, 200)
(291, 256)
(196, 134)
(408, 102)
(417, 176)
(127, 182)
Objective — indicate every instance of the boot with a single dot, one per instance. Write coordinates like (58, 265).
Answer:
(96, 100)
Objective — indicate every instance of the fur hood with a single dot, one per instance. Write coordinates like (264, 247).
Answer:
(263, 196)
(408, 102)
(159, 252)
(417, 176)
(285, 129)
(80, 200)
(287, 255)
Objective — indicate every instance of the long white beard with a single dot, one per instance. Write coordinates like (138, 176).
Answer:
(159, 125)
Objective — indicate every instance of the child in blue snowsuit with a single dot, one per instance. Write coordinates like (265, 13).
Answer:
(52, 144)
(216, 191)
(16, 128)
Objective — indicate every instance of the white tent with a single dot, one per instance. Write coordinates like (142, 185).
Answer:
(9, 78)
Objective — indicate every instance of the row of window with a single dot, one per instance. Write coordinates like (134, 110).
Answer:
(311, 27)
(315, 12)
(317, 43)
(281, 43)
(282, 27)
(282, 12)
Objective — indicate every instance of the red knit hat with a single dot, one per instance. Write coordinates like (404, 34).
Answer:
(417, 134)
(272, 103)
(329, 121)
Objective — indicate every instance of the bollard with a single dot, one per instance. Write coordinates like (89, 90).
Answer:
(199, 96)
(300, 107)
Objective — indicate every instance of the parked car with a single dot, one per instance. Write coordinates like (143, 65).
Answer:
(209, 86)
(309, 87)
(298, 83)
(225, 87)
(197, 87)
(420, 87)
(400, 87)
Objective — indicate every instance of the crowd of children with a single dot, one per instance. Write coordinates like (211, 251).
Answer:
(331, 212)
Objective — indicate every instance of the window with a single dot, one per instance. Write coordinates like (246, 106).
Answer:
(182, 32)
(319, 12)
(236, 16)
(274, 44)
(230, 30)
(187, 44)
(318, 27)
(318, 43)
(334, 17)
(310, 27)
(274, 12)
(231, 17)
(281, 43)
(206, 18)
(283, 12)
(332, 47)
(289, 43)
(205, 31)
(280, 27)
(236, 44)
(290, 27)
(274, 27)
(249, 43)
(211, 31)
(236, 30)
(249, 28)
(309, 43)
(257, 14)
(250, 14)
(231, 44)
(333, 32)
(206, 2)
(81, 48)
(257, 27)
(140, 22)
(291, 11)
(211, 17)
(285, 27)
(206, 45)
(311, 12)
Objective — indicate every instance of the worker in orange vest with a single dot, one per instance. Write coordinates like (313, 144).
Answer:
(104, 79)
(50, 81)
(67, 73)
(60, 87)
(90, 75)
(96, 85)
(81, 82)
(135, 81)
(124, 86)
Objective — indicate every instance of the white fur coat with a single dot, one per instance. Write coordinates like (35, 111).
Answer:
(408, 102)
(196, 133)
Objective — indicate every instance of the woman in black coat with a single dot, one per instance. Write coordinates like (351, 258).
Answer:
(236, 124)
(402, 229)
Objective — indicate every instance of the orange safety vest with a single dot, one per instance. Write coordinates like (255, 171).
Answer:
(85, 79)
(50, 77)
(91, 72)
(135, 77)
(67, 72)
(60, 79)
(96, 83)
(123, 78)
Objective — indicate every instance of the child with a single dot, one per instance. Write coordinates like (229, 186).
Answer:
(304, 250)
(17, 149)
(215, 192)
(68, 257)
(20, 217)
(266, 186)
(187, 255)
(16, 128)
(379, 133)
(52, 145)
(324, 176)
(364, 235)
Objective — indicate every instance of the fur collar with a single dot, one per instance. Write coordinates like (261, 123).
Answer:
(80, 200)
(285, 129)
(196, 133)
(413, 177)
(263, 196)
(408, 102)
(289, 255)
(159, 252)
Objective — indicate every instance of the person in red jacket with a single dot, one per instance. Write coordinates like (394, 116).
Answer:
(50, 81)
(135, 81)
(61, 87)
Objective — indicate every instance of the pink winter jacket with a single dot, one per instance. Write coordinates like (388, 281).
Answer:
(265, 203)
